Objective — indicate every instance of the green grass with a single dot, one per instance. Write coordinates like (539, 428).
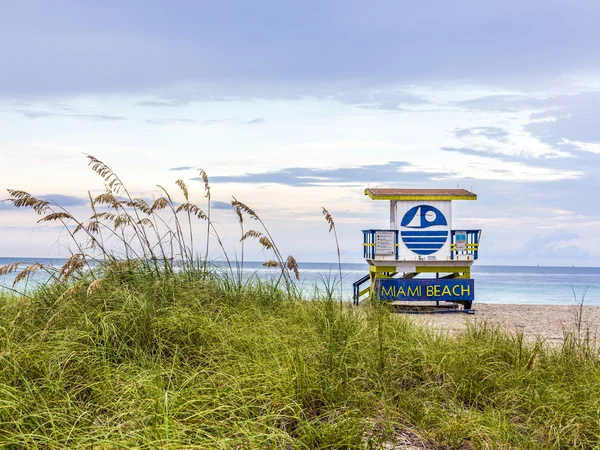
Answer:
(149, 361)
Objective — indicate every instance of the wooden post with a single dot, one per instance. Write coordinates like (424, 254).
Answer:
(393, 224)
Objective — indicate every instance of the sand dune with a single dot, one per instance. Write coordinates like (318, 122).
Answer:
(548, 322)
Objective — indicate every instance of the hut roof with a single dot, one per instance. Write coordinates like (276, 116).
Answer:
(420, 194)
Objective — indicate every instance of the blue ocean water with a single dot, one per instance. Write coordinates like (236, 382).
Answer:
(493, 284)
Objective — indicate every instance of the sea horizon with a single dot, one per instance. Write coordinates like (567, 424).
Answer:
(549, 285)
(3, 260)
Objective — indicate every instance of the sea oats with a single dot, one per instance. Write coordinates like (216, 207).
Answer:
(183, 188)
(193, 209)
(251, 233)
(26, 272)
(159, 203)
(22, 199)
(106, 199)
(72, 265)
(94, 286)
(55, 216)
(328, 218)
(206, 184)
(9, 268)
(93, 226)
(237, 204)
(292, 264)
(265, 242)
(122, 219)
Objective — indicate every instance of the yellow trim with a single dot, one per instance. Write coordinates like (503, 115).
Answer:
(379, 269)
(421, 197)
(368, 245)
(364, 291)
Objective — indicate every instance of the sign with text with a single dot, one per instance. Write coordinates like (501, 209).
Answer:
(385, 243)
(460, 239)
(427, 289)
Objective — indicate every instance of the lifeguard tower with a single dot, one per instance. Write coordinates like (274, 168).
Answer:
(420, 242)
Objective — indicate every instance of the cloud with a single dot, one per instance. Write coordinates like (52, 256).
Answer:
(181, 168)
(90, 49)
(162, 103)
(383, 98)
(499, 103)
(387, 106)
(574, 119)
(32, 114)
(555, 120)
(545, 160)
(62, 106)
(64, 200)
(393, 172)
(555, 245)
(255, 121)
(169, 121)
(492, 133)
(215, 204)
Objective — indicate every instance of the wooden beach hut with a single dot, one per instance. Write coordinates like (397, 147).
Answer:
(420, 262)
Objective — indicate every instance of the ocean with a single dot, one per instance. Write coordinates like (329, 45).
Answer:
(493, 284)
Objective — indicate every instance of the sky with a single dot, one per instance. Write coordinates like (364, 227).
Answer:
(291, 106)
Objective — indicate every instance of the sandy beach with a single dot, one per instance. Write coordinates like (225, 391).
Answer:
(545, 321)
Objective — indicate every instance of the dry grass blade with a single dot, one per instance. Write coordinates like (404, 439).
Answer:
(238, 212)
(55, 216)
(26, 272)
(292, 264)
(122, 220)
(144, 221)
(72, 265)
(328, 218)
(140, 204)
(265, 242)
(331, 223)
(9, 268)
(121, 266)
(106, 199)
(184, 188)
(193, 209)
(271, 263)
(206, 184)
(104, 215)
(237, 204)
(111, 179)
(93, 226)
(159, 203)
(94, 286)
(69, 291)
(22, 199)
(251, 233)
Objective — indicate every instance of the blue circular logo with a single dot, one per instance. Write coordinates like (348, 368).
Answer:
(421, 239)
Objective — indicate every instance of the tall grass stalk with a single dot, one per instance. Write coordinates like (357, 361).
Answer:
(331, 223)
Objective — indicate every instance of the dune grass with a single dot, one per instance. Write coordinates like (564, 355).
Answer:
(147, 361)
(137, 343)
